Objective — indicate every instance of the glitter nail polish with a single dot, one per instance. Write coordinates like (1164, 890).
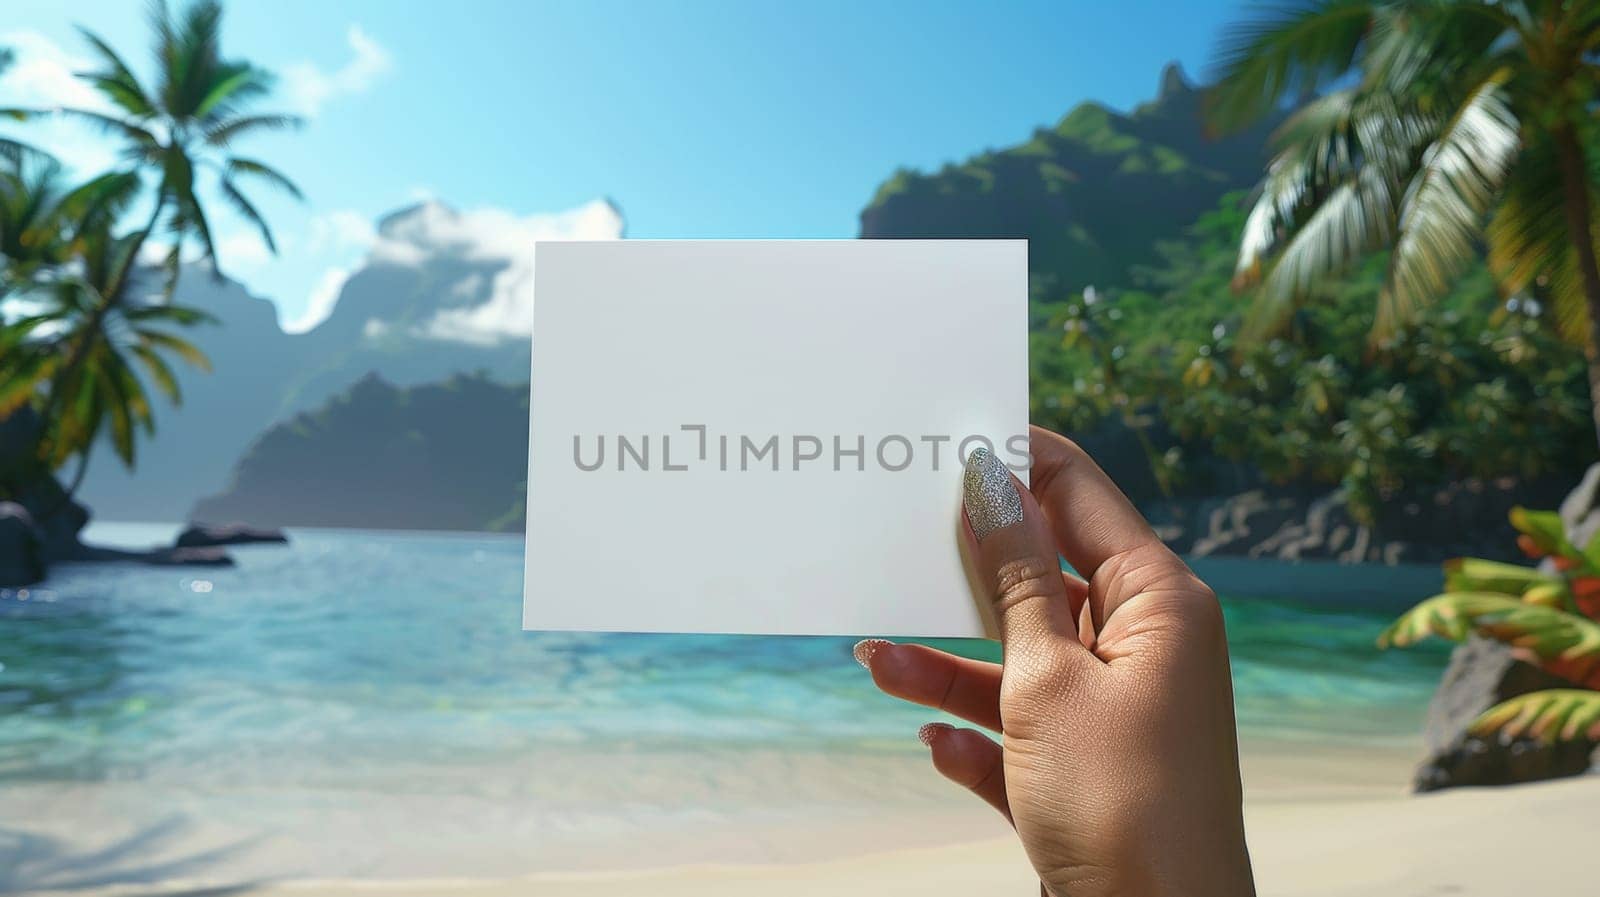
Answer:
(990, 495)
(865, 648)
(930, 731)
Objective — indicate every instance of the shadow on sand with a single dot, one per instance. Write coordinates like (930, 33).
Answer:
(31, 862)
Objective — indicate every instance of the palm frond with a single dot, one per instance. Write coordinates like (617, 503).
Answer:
(1354, 219)
(128, 385)
(78, 417)
(1288, 48)
(1442, 212)
(248, 211)
(1282, 192)
(1421, 48)
(188, 55)
(111, 124)
(160, 372)
(1556, 714)
(1546, 528)
(165, 313)
(1307, 147)
(1478, 575)
(16, 154)
(179, 347)
(117, 82)
(23, 371)
(101, 201)
(194, 216)
(231, 85)
(240, 167)
(1337, 148)
(119, 412)
(224, 132)
(1570, 644)
(1556, 595)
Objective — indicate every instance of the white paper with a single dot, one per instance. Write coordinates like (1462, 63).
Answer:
(884, 345)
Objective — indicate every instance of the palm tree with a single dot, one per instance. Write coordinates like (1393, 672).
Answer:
(41, 217)
(100, 310)
(187, 124)
(88, 341)
(1440, 126)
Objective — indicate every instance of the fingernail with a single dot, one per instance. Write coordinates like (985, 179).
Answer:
(989, 494)
(867, 647)
(930, 731)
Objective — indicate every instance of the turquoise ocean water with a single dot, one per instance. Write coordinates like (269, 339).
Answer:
(406, 648)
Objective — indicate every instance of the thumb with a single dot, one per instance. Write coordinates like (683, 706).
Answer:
(1016, 563)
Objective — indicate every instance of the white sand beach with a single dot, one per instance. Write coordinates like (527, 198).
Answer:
(1323, 822)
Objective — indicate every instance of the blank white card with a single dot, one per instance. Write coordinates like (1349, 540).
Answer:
(767, 436)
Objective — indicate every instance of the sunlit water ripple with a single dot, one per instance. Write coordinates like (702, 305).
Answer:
(406, 648)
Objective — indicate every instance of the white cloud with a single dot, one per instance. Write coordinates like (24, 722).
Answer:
(340, 229)
(44, 76)
(242, 251)
(489, 308)
(433, 230)
(320, 301)
(309, 87)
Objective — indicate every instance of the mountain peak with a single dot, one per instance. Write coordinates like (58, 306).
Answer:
(1173, 80)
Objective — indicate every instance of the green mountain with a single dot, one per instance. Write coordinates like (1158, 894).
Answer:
(1092, 195)
(444, 456)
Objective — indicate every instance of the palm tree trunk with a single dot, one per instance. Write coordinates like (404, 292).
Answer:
(77, 478)
(1579, 214)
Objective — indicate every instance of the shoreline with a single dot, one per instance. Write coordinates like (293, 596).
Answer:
(1323, 821)
(1449, 843)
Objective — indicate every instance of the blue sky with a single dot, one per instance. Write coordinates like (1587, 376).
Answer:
(700, 119)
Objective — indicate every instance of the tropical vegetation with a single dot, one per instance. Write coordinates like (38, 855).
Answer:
(1549, 615)
(1402, 299)
(88, 325)
(1472, 387)
(1438, 128)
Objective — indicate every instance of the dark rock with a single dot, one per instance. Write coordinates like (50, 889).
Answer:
(1581, 509)
(21, 547)
(158, 557)
(59, 519)
(199, 535)
(1419, 526)
(1481, 674)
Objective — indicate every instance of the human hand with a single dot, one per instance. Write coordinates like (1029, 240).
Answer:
(1118, 765)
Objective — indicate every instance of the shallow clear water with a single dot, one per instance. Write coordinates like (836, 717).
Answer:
(405, 649)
